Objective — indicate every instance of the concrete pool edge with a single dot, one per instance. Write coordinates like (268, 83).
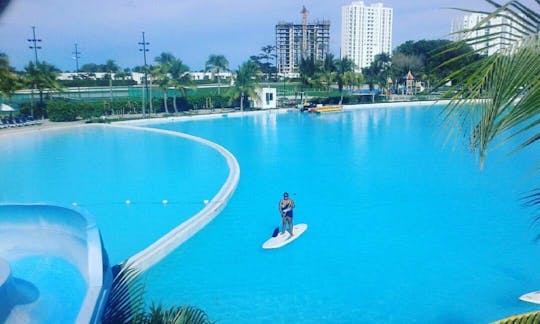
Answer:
(174, 238)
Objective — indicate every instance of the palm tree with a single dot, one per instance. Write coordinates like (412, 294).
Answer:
(506, 85)
(160, 74)
(125, 303)
(163, 75)
(181, 79)
(328, 71)
(310, 70)
(9, 81)
(344, 74)
(41, 76)
(245, 82)
(217, 64)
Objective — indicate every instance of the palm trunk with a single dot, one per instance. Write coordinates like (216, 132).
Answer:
(32, 102)
(165, 101)
(242, 102)
(174, 102)
(150, 98)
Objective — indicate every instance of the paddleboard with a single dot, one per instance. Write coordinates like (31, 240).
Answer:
(285, 238)
(532, 297)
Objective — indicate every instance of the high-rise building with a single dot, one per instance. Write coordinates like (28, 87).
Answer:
(365, 32)
(295, 42)
(498, 35)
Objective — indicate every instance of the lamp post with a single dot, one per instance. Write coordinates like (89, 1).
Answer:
(144, 43)
(77, 57)
(34, 45)
(110, 90)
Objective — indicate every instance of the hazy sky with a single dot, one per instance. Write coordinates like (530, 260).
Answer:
(190, 29)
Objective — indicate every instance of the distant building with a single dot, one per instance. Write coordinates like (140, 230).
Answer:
(499, 32)
(297, 41)
(365, 32)
(138, 76)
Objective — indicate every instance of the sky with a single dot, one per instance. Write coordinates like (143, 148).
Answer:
(189, 29)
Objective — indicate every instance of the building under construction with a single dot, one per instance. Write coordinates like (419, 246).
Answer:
(295, 42)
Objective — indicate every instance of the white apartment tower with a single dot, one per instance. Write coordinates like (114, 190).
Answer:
(500, 32)
(365, 32)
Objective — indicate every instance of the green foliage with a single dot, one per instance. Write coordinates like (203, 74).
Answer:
(379, 71)
(527, 318)
(199, 101)
(246, 82)
(216, 64)
(265, 61)
(9, 80)
(39, 109)
(125, 304)
(158, 314)
(60, 111)
(310, 70)
(109, 66)
(507, 86)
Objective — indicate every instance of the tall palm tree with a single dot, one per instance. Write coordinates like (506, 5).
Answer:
(310, 70)
(217, 64)
(344, 68)
(246, 82)
(506, 85)
(328, 71)
(162, 73)
(181, 79)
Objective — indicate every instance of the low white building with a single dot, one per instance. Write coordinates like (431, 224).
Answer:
(210, 75)
(266, 98)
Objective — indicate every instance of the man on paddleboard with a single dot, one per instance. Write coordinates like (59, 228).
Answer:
(285, 207)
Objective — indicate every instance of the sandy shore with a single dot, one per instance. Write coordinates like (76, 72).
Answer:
(44, 124)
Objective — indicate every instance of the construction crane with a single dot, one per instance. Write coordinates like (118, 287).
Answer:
(305, 14)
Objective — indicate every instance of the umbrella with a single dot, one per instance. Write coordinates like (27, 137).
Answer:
(5, 107)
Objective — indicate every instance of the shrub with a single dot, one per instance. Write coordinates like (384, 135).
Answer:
(60, 111)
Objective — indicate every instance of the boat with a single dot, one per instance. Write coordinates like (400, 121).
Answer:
(326, 109)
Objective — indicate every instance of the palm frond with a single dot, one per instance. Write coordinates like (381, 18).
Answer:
(158, 314)
(125, 303)
(506, 84)
(532, 317)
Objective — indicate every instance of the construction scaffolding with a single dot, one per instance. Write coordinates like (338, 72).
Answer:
(295, 42)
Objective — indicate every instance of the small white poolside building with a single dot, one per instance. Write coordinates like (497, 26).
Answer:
(266, 98)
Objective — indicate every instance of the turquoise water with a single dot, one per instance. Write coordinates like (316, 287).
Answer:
(50, 289)
(401, 228)
(99, 168)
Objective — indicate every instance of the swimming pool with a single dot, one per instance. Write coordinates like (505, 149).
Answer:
(400, 228)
